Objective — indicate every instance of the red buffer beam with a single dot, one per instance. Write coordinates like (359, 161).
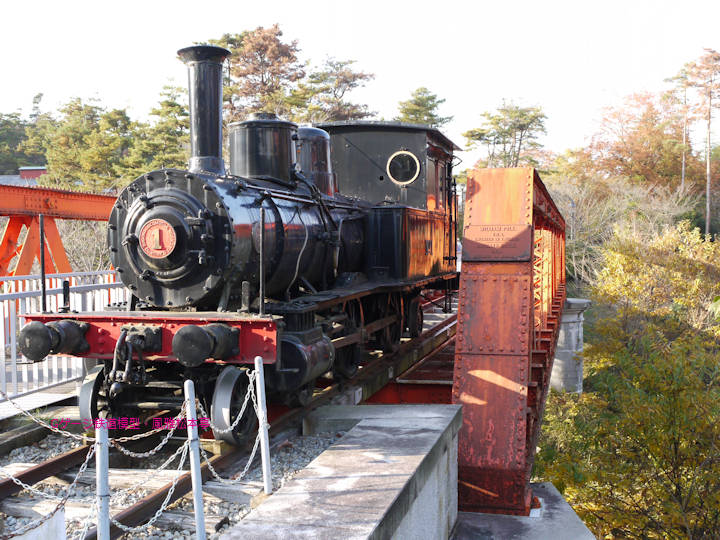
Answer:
(512, 289)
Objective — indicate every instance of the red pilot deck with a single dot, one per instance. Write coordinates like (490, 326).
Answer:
(257, 336)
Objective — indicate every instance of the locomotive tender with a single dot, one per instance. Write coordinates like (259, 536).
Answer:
(314, 243)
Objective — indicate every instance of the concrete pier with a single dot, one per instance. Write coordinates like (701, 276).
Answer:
(567, 372)
(392, 475)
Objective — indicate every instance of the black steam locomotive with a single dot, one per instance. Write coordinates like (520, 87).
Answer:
(316, 242)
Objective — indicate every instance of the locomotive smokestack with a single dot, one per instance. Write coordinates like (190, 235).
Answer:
(204, 64)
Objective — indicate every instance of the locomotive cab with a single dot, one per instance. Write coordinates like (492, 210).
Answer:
(406, 171)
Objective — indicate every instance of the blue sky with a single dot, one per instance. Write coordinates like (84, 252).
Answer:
(570, 58)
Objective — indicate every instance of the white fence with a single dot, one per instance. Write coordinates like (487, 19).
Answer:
(89, 291)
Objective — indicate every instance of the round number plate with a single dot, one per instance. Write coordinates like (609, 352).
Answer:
(157, 238)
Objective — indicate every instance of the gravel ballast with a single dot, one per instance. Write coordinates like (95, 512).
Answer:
(287, 459)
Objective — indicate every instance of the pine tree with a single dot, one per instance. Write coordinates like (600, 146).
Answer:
(421, 108)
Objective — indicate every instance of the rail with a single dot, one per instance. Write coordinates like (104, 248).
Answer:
(21, 295)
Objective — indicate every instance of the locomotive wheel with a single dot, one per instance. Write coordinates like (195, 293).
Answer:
(416, 317)
(228, 396)
(302, 396)
(389, 337)
(347, 359)
(92, 400)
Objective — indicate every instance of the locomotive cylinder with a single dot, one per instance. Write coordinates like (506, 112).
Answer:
(205, 82)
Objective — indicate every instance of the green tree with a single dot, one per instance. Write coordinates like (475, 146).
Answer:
(165, 141)
(12, 134)
(421, 108)
(509, 135)
(14, 151)
(85, 148)
(638, 454)
(321, 96)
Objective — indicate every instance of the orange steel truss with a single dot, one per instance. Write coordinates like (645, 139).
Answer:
(512, 289)
(24, 205)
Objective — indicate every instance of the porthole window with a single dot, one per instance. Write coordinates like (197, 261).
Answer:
(403, 167)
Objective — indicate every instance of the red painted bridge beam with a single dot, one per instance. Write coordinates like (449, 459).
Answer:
(512, 289)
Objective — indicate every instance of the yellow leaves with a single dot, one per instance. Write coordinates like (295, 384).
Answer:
(638, 454)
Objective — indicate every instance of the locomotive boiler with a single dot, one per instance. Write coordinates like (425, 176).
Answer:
(314, 243)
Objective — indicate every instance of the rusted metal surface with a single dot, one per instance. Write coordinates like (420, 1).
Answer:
(23, 205)
(512, 288)
(428, 381)
(16, 200)
(44, 470)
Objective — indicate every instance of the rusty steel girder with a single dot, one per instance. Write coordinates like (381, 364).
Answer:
(23, 205)
(512, 289)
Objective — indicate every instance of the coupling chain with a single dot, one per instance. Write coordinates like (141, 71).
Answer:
(165, 502)
(60, 504)
(238, 477)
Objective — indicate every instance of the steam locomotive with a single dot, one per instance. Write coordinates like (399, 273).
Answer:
(316, 242)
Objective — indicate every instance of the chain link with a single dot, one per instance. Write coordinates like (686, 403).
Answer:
(182, 450)
(84, 438)
(164, 504)
(162, 443)
(251, 391)
(238, 477)
(60, 504)
(88, 521)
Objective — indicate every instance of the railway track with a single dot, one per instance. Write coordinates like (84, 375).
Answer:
(164, 489)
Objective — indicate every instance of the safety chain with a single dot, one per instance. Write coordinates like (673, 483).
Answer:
(114, 496)
(88, 521)
(162, 467)
(162, 443)
(238, 477)
(249, 395)
(251, 390)
(164, 504)
(83, 438)
(60, 504)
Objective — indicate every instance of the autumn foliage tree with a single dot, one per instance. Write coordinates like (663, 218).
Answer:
(265, 74)
(638, 454)
(641, 140)
(704, 74)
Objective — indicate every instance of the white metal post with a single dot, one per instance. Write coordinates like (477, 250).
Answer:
(262, 413)
(194, 460)
(102, 451)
